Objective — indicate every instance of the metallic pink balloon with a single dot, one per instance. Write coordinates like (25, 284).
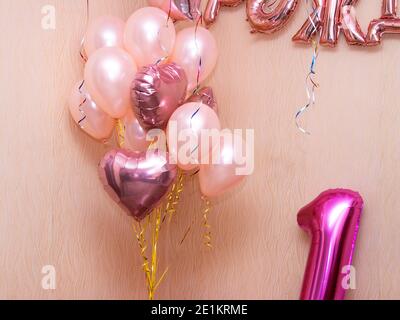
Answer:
(206, 96)
(268, 16)
(137, 181)
(388, 23)
(212, 9)
(333, 221)
(329, 17)
(179, 9)
(157, 91)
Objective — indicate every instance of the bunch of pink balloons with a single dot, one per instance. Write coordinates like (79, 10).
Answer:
(146, 75)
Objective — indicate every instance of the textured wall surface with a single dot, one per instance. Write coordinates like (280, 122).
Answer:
(54, 211)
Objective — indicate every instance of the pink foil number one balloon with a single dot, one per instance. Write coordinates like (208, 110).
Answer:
(333, 220)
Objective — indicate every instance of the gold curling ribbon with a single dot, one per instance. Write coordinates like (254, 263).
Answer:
(150, 267)
(206, 223)
(174, 196)
(120, 128)
(141, 239)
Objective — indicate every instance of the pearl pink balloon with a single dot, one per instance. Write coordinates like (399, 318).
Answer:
(105, 31)
(91, 119)
(148, 36)
(190, 47)
(109, 73)
(135, 135)
(193, 118)
(217, 178)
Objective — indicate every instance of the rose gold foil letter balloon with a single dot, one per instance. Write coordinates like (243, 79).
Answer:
(213, 7)
(109, 73)
(88, 116)
(197, 53)
(105, 31)
(179, 9)
(332, 220)
(388, 23)
(137, 181)
(269, 16)
(329, 17)
(149, 36)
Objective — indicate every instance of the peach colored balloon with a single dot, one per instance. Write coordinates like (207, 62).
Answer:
(109, 73)
(191, 118)
(148, 36)
(135, 135)
(105, 31)
(91, 119)
(220, 175)
(190, 46)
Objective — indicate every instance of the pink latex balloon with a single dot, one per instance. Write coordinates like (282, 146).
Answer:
(197, 53)
(109, 73)
(87, 115)
(137, 181)
(105, 31)
(190, 118)
(149, 36)
(333, 220)
(221, 174)
(178, 9)
(135, 135)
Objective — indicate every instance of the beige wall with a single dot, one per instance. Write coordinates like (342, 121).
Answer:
(53, 209)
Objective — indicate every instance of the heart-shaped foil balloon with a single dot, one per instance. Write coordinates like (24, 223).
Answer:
(137, 181)
(157, 91)
(206, 96)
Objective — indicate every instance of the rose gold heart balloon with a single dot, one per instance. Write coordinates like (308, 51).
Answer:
(157, 91)
(137, 181)
(205, 96)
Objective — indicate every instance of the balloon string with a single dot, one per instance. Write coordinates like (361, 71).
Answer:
(198, 22)
(206, 223)
(174, 196)
(150, 266)
(311, 85)
(84, 117)
(82, 52)
(155, 282)
(141, 240)
(166, 56)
